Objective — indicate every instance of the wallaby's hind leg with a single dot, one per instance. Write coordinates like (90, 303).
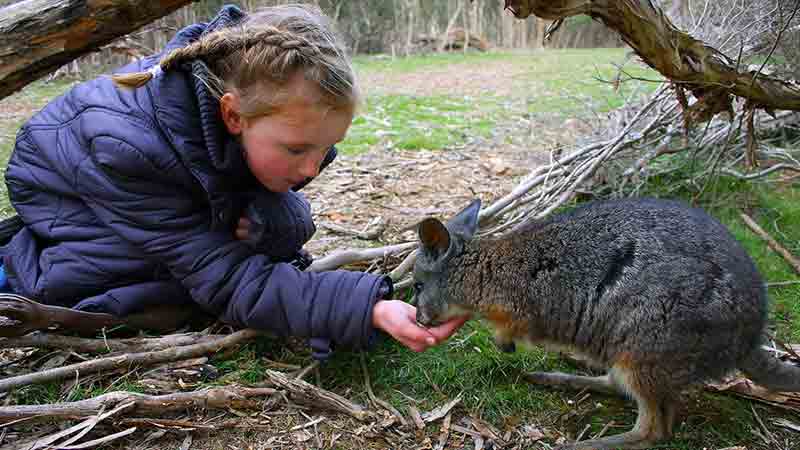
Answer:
(653, 424)
(657, 408)
(602, 384)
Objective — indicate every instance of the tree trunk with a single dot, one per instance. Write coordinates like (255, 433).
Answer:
(39, 36)
(710, 75)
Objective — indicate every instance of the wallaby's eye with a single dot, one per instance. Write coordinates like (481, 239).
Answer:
(417, 288)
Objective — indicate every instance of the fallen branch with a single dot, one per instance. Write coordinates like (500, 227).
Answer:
(78, 430)
(378, 401)
(745, 388)
(308, 394)
(212, 398)
(43, 35)
(344, 257)
(83, 345)
(126, 361)
(441, 411)
(371, 232)
(182, 425)
(773, 244)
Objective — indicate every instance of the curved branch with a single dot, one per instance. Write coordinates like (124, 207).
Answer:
(711, 75)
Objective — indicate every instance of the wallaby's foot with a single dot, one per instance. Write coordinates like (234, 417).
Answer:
(653, 425)
(601, 384)
(656, 410)
(629, 440)
(22, 315)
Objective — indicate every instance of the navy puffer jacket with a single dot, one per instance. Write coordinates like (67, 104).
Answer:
(130, 199)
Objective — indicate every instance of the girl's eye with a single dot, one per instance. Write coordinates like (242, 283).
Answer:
(296, 151)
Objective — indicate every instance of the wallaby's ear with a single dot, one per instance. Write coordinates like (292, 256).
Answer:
(465, 223)
(434, 237)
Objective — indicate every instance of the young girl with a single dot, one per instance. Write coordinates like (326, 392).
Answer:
(175, 184)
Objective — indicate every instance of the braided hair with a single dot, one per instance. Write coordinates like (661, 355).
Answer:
(257, 58)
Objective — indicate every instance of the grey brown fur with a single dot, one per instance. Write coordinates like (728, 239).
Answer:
(659, 293)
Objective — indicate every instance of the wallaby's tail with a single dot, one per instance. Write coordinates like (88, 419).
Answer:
(770, 372)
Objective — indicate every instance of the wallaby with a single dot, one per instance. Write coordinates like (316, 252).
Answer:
(659, 293)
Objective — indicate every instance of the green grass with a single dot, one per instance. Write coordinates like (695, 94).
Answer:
(382, 63)
(416, 123)
(571, 80)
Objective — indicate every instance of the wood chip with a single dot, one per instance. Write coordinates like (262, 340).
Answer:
(442, 411)
(416, 417)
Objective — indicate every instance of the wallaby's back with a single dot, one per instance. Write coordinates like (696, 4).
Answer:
(635, 278)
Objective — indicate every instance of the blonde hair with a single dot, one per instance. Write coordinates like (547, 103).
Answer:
(257, 58)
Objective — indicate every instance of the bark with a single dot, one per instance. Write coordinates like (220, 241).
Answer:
(224, 398)
(39, 36)
(711, 76)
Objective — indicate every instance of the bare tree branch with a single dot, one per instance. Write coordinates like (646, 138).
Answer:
(709, 74)
(39, 36)
(128, 360)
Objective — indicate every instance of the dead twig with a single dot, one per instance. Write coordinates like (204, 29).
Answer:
(372, 231)
(416, 417)
(374, 398)
(445, 434)
(308, 394)
(98, 442)
(211, 398)
(441, 411)
(769, 437)
(83, 345)
(302, 373)
(771, 242)
(344, 257)
(126, 361)
(79, 430)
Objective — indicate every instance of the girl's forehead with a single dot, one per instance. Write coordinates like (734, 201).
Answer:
(303, 113)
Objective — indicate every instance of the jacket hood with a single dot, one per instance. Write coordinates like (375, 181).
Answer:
(188, 111)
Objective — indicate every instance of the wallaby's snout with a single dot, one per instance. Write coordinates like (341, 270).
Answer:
(423, 317)
(429, 302)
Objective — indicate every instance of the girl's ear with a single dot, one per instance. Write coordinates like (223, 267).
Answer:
(229, 109)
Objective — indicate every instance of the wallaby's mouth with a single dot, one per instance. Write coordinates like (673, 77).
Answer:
(425, 320)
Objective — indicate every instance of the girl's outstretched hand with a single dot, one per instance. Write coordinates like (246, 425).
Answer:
(399, 320)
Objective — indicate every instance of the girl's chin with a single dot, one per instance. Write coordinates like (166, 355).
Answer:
(277, 186)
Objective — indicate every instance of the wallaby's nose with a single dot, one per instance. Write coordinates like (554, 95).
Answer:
(423, 318)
